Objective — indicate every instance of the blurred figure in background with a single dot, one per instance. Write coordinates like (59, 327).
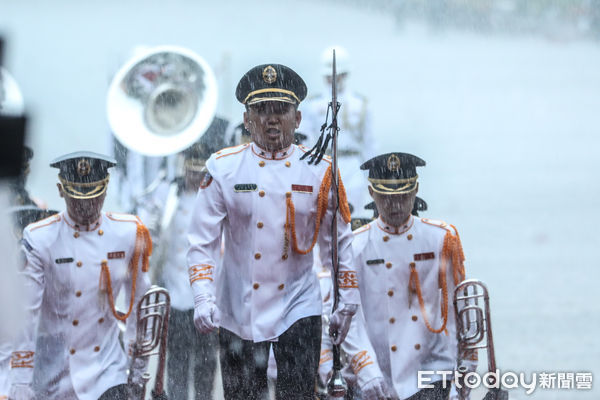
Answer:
(170, 208)
(356, 142)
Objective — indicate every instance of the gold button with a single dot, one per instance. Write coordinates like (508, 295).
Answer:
(388, 265)
(72, 351)
(261, 163)
(414, 318)
(412, 265)
(409, 236)
(256, 286)
(78, 293)
(392, 320)
(417, 346)
(76, 235)
(100, 232)
(97, 349)
(284, 257)
(257, 256)
(260, 225)
(386, 238)
(75, 322)
(288, 194)
(261, 193)
(390, 293)
(101, 320)
(280, 287)
(79, 263)
(394, 348)
(287, 163)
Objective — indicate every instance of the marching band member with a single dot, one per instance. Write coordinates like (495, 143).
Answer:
(173, 203)
(356, 142)
(77, 262)
(408, 268)
(272, 208)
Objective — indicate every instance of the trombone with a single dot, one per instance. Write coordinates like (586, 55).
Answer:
(151, 338)
(474, 332)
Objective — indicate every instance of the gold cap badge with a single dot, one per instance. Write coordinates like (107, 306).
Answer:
(83, 167)
(393, 163)
(269, 74)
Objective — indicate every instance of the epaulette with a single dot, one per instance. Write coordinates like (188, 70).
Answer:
(439, 224)
(44, 222)
(306, 150)
(228, 151)
(362, 229)
(121, 217)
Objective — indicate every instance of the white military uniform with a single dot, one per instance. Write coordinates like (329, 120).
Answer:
(356, 142)
(264, 286)
(389, 337)
(78, 353)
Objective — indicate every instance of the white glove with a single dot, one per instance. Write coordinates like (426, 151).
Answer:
(21, 391)
(376, 389)
(340, 323)
(205, 313)
(137, 371)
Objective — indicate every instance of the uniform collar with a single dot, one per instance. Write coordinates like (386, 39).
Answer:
(91, 227)
(395, 230)
(277, 155)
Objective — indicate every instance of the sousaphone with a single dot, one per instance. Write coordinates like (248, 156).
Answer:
(162, 100)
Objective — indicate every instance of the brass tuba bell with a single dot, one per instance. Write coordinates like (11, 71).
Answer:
(162, 100)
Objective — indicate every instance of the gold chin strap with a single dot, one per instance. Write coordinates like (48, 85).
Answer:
(272, 90)
(99, 187)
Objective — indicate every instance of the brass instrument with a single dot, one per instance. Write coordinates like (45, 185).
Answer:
(474, 331)
(151, 338)
(162, 100)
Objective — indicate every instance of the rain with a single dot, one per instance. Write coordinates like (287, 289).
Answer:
(500, 98)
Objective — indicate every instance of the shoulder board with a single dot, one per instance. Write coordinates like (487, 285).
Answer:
(227, 151)
(44, 222)
(123, 217)
(439, 224)
(362, 229)
(306, 150)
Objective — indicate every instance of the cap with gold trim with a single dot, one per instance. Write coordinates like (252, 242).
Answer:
(83, 174)
(195, 157)
(393, 173)
(271, 82)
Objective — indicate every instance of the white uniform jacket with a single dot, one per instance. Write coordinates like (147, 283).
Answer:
(393, 339)
(264, 286)
(78, 353)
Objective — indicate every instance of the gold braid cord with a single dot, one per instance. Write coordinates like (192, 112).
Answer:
(322, 204)
(453, 252)
(143, 248)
